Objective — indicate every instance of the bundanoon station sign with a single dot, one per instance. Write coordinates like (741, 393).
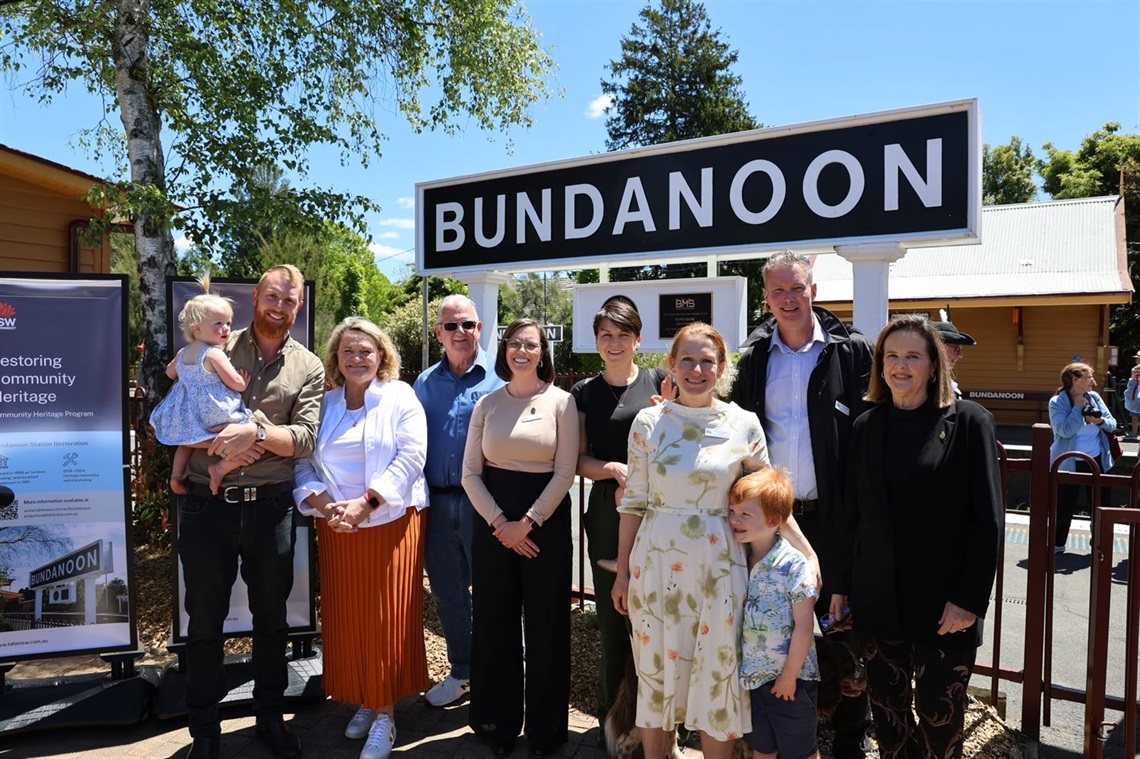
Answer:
(909, 176)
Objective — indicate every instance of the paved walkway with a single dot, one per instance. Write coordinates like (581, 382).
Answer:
(422, 731)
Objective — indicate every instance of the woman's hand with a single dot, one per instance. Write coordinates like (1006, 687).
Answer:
(620, 592)
(618, 495)
(618, 471)
(348, 514)
(955, 618)
(516, 536)
(668, 391)
(838, 606)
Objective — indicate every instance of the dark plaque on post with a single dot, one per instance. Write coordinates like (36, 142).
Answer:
(678, 309)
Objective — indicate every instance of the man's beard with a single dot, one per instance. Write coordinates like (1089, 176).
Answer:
(269, 329)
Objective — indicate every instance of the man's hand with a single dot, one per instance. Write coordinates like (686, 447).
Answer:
(784, 687)
(234, 440)
(955, 618)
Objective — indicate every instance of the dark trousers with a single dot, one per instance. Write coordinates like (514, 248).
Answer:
(507, 587)
(601, 524)
(1067, 498)
(851, 722)
(212, 535)
(938, 695)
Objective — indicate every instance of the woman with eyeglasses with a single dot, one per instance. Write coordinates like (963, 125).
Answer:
(522, 449)
(917, 542)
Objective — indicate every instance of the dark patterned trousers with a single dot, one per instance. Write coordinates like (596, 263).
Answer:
(938, 695)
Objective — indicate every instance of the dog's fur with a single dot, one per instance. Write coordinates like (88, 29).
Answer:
(841, 675)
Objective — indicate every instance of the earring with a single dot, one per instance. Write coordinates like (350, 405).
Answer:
(540, 363)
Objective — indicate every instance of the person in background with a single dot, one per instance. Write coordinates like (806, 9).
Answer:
(1132, 400)
(953, 340)
(804, 372)
(250, 518)
(522, 450)
(448, 391)
(366, 479)
(923, 464)
(1081, 422)
(681, 577)
(607, 405)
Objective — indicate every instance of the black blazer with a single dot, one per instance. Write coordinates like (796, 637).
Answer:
(947, 536)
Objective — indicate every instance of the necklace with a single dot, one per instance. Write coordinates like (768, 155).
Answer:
(619, 398)
(355, 418)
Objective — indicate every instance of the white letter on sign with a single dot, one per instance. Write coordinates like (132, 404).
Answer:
(811, 183)
(500, 222)
(541, 223)
(736, 191)
(633, 189)
(702, 209)
(443, 225)
(895, 160)
(573, 231)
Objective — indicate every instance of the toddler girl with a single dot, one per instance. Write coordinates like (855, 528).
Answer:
(207, 395)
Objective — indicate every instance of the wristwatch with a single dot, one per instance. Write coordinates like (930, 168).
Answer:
(261, 433)
(372, 501)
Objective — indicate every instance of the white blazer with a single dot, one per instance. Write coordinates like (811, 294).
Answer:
(395, 447)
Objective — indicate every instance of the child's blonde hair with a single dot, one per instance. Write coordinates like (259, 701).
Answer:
(201, 306)
(771, 487)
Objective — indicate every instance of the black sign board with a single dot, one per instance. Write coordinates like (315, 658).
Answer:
(86, 561)
(553, 332)
(675, 310)
(903, 176)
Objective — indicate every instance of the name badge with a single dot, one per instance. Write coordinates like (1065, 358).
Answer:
(717, 432)
(842, 409)
(530, 418)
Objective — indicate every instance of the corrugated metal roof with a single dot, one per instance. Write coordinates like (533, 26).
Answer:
(1062, 247)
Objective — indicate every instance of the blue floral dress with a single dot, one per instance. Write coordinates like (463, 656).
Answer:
(198, 402)
(688, 576)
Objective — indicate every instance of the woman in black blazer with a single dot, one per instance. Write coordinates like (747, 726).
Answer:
(918, 541)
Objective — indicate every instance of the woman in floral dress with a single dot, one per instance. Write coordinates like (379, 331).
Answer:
(681, 577)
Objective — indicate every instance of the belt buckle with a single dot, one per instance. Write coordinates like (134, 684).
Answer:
(244, 494)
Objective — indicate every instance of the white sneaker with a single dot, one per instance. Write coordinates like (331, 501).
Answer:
(360, 723)
(448, 691)
(381, 738)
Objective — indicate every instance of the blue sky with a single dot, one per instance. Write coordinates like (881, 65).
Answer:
(1045, 71)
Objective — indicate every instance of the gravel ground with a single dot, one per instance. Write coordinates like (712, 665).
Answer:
(987, 735)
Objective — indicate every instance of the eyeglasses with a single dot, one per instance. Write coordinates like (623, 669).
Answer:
(467, 325)
(519, 345)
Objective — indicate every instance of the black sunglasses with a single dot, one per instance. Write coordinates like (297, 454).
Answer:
(467, 325)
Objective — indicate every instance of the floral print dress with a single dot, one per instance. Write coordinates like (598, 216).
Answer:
(688, 577)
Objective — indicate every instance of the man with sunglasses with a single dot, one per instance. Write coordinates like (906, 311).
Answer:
(448, 391)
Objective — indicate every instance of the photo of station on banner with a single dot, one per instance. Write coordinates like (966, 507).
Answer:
(65, 570)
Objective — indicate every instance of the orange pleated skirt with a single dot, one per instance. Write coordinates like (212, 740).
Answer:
(372, 621)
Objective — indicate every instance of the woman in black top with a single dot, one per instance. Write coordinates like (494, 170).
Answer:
(607, 405)
(918, 541)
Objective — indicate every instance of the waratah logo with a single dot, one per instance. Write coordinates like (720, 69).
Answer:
(7, 316)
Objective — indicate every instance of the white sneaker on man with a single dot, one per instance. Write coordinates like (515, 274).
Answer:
(448, 691)
(360, 723)
(381, 738)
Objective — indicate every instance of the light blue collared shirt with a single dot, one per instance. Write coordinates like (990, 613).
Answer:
(785, 406)
(448, 401)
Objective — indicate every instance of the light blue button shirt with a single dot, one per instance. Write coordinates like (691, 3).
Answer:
(785, 406)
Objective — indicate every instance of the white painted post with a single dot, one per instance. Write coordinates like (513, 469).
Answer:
(603, 272)
(871, 265)
(483, 289)
(89, 600)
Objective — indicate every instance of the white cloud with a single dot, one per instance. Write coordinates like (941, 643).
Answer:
(389, 253)
(406, 202)
(183, 244)
(388, 236)
(597, 107)
(399, 223)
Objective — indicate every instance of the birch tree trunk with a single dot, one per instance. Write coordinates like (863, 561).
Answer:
(142, 126)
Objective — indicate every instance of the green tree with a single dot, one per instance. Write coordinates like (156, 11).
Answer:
(222, 85)
(1107, 163)
(547, 299)
(1008, 173)
(405, 326)
(673, 80)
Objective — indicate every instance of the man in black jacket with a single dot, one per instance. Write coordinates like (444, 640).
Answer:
(804, 374)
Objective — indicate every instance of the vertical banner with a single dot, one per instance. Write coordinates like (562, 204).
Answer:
(301, 610)
(66, 582)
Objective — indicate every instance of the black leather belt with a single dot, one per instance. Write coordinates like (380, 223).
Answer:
(237, 494)
(804, 507)
(449, 490)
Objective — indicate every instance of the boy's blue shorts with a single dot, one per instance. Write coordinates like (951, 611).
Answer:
(785, 727)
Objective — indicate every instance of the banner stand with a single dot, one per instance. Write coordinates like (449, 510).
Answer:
(98, 699)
